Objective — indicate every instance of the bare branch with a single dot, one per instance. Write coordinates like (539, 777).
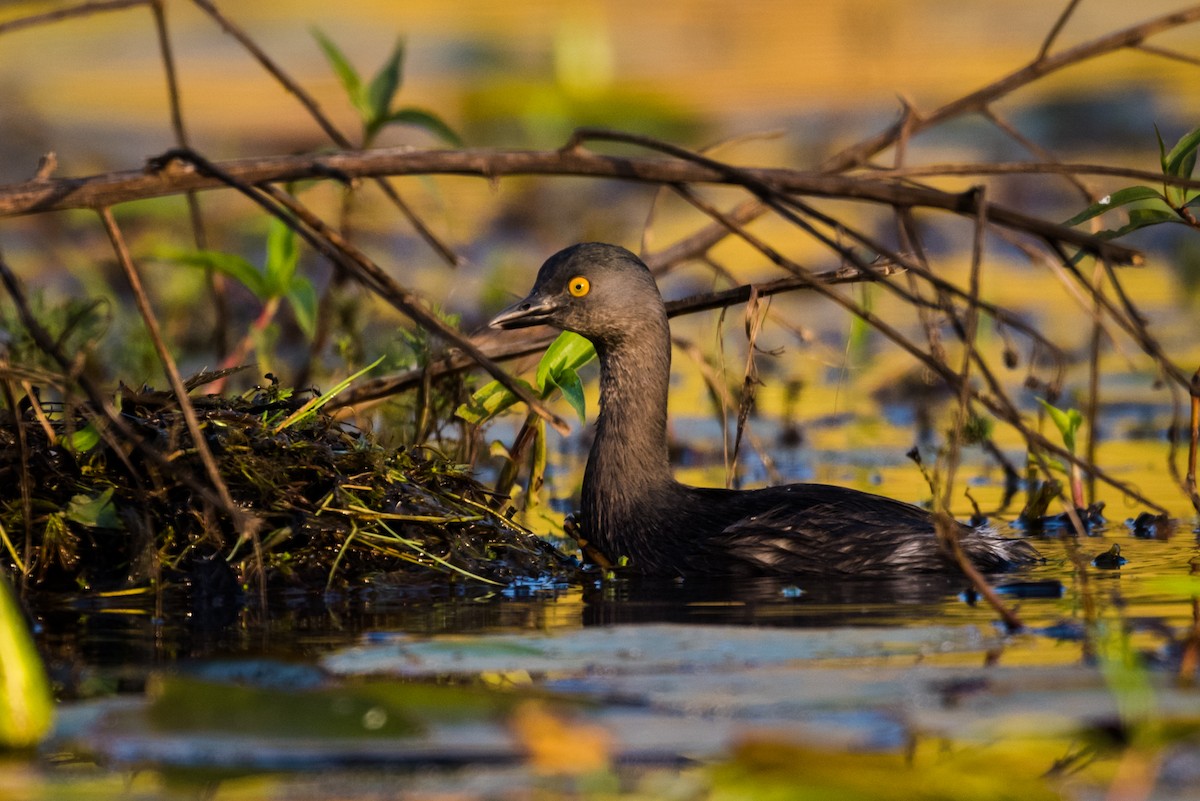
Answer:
(165, 178)
(1056, 29)
(59, 14)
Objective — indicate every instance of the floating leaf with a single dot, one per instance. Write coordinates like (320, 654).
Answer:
(26, 707)
(1130, 194)
(181, 704)
(94, 511)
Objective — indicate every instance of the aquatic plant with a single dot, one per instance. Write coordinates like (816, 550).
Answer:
(26, 708)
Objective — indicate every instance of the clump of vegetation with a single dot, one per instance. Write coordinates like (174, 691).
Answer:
(326, 504)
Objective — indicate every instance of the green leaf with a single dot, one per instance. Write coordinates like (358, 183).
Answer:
(1067, 422)
(1144, 218)
(1162, 149)
(228, 264)
(1122, 197)
(568, 352)
(421, 119)
(1182, 159)
(310, 408)
(95, 511)
(282, 257)
(346, 74)
(303, 300)
(26, 706)
(572, 389)
(83, 439)
(385, 83)
(1188, 164)
(488, 401)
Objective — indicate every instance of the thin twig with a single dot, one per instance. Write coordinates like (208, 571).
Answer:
(1132, 36)
(59, 14)
(246, 525)
(1032, 168)
(216, 282)
(998, 404)
(1091, 413)
(1193, 439)
(1165, 52)
(948, 532)
(1056, 29)
(1033, 147)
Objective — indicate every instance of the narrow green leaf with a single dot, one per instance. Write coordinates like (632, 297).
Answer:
(1162, 149)
(1144, 218)
(1193, 201)
(303, 300)
(228, 264)
(568, 352)
(282, 257)
(571, 387)
(346, 74)
(1188, 165)
(1122, 197)
(310, 408)
(1182, 158)
(385, 83)
(422, 119)
(26, 706)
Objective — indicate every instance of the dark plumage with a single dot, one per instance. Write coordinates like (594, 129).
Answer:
(632, 506)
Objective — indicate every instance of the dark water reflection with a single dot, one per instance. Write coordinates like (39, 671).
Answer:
(101, 645)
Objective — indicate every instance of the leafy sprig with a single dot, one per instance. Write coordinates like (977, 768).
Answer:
(1173, 204)
(373, 99)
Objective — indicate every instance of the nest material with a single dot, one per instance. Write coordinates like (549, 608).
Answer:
(331, 506)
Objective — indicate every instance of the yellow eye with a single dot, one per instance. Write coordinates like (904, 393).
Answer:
(579, 286)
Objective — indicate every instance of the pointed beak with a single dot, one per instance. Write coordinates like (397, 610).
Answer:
(533, 310)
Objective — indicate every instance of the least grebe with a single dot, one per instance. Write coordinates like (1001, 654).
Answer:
(633, 507)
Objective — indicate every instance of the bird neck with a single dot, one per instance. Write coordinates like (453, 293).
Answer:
(628, 469)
